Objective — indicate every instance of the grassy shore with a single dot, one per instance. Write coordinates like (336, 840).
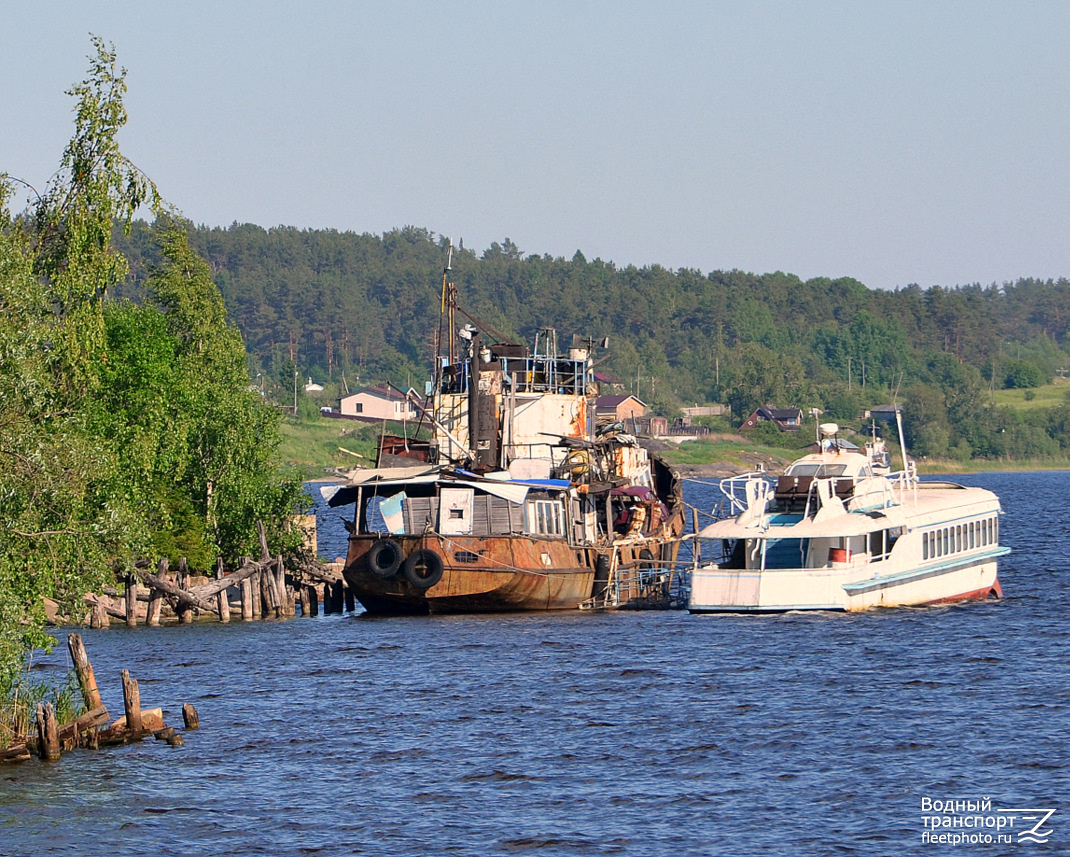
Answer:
(313, 448)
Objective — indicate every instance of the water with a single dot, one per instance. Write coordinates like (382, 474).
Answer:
(607, 734)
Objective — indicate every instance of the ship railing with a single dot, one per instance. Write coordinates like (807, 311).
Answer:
(735, 491)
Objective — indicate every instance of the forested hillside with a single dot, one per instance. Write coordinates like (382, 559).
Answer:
(368, 306)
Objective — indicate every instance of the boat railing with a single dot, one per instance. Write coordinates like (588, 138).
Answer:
(734, 489)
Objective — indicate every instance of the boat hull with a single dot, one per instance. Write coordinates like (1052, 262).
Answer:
(479, 575)
(718, 590)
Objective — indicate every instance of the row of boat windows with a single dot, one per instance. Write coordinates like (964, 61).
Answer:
(961, 537)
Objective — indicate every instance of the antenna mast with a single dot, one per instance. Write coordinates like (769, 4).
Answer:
(449, 308)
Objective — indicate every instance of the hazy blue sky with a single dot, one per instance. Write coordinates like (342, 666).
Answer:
(894, 142)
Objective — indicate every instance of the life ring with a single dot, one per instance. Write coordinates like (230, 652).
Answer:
(423, 568)
(384, 558)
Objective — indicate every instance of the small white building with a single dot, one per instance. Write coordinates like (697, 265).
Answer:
(313, 388)
(378, 403)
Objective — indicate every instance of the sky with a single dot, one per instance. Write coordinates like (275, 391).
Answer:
(892, 142)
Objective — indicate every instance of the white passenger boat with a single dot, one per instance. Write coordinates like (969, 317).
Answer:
(834, 533)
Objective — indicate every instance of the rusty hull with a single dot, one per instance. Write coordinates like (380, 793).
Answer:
(511, 573)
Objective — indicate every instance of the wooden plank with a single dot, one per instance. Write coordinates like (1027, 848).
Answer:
(183, 597)
(97, 717)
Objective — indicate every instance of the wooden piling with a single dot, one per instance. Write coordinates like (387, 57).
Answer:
(190, 717)
(310, 606)
(224, 604)
(247, 600)
(99, 618)
(152, 615)
(185, 612)
(48, 746)
(285, 606)
(130, 597)
(337, 597)
(87, 679)
(131, 702)
(351, 602)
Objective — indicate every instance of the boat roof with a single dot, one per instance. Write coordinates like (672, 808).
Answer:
(499, 484)
(832, 461)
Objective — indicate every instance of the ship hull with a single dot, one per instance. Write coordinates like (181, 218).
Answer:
(484, 575)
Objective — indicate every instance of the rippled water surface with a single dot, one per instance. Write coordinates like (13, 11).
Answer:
(629, 733)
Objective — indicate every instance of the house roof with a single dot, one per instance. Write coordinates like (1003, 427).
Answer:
(780, 413)
(380, 391)
(614, 401)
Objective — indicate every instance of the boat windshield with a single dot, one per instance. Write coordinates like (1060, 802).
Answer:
(812, 469)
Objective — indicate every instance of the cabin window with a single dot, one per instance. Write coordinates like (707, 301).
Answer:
(973, 533)
(466, 556)
(784, 553)
(546, 517)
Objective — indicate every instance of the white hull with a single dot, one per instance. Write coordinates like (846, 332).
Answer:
(717, 590)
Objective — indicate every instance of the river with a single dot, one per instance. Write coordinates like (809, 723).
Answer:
(642, 734)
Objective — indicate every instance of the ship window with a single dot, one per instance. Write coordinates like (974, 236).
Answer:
(466, 556)
(546, 518)
(973, 533)
(995, 530)
(925, 546)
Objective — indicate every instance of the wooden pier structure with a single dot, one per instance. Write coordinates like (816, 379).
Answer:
(256, 589)
(50, 739)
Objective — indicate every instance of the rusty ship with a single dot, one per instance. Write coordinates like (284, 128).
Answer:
(518, 500)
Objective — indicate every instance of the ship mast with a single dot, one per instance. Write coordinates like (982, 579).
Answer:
(448, 312)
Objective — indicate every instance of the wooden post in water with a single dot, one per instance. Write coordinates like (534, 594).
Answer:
(311, 605)
(185, 612)
(99, 618)
(132, 703)
(257, 594)
(87, 679)
(48, 747)
(130, 597)
(247, 600)
(285, 606)
(190, 717)
(351, 603)
(152, 615)
(224, 604)
(337, 597)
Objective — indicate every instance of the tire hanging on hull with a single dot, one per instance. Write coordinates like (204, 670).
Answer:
(423, 569)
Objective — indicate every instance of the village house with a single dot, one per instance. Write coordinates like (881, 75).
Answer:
(618, 409)
(377, 403)
(785, 419)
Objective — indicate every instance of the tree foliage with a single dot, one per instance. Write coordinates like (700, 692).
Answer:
(127, 427)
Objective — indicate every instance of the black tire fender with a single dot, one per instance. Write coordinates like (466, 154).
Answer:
(384, 558)
(423, 568)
